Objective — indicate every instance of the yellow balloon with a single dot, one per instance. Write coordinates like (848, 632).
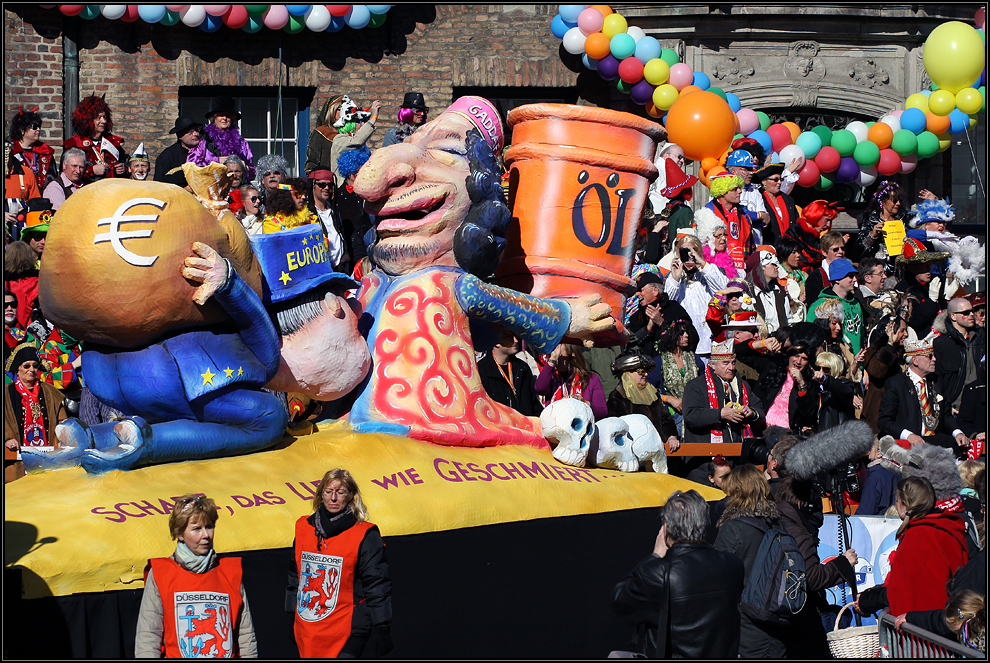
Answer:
(942, 102)
(944, 141)
(656, 72)
(955, 56)
(665, 96)
(917, 100)
(969, 100)
(972, 121)
(616, 24)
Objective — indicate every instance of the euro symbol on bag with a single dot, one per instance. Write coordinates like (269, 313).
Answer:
(116, 234)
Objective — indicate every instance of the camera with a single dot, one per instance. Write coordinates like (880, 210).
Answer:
(685, 254)
(755, 450)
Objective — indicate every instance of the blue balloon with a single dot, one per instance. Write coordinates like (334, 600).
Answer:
(297, 10)
(358, 17)
(589, 62)
(914, 120)
(211, 23)
(927, 93)
(647, 49)
(379, 9)
(558, 27)
(763, 138)
(958, 121)
(733, 100)
(570, 13)
(702, 80)
(663, 120)
(151, 13)
(337, 24)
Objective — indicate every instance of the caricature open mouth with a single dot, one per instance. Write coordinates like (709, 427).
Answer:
(404, 216)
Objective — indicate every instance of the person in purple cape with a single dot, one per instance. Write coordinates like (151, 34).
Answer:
(222, 138)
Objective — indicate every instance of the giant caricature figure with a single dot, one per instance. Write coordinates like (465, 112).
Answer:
(196, 393)
(440, 221)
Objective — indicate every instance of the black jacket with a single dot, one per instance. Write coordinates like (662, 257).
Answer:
(646, 341)
(802, 409)
(972, 576)
(900, 409)
(924, 311)
(703, 608)
(951, 351)
(773, 231)
(523, 399)
(172, 157)
(972, 417)
(699, 417)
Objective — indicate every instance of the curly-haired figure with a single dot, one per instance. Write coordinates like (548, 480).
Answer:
(92, 123)
(27, 147)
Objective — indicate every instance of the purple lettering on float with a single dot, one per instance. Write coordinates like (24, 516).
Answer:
(560, 470)
(453, 475)
(590, 476)
(273, 498)
(148, 508)
(489, 467)
(552, 475)
(305, 488)
(112, 516)
(119, 507)
(386, 482)
(576, 473)
(463, 471)
(238, 498)
(511, 469)
(533, 470)
(414, 476)
(474, 468)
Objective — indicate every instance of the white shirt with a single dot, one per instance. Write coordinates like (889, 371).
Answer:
(334, 239)
(770, 306)
(915, 379)
(694, 297)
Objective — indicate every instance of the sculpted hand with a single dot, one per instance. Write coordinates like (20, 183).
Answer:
(589, 315)
(209, 268)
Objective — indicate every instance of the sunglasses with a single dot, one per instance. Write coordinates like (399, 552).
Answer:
(12, 305)
(642, 371)
(772, 179)
(270, 172)
(966, 312)
(254, 199)
(322, 185)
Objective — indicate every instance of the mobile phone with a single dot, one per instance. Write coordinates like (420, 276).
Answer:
(685, 254)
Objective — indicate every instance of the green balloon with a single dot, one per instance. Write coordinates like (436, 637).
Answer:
(295, 24)
(934, 87)
(256, 10)
(844, 141)
(983, 93)
(927, 145)
(254, 24)
(719, 91)
(170, 18)
(904, 143)
(870, 124)
(764, 120)
(737, 137)
(624, 87)
(825, 181)
(824, 133)
(669, 56)
(867, 153)
(90, 12)
(377, 20)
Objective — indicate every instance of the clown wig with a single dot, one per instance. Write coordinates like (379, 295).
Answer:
(817, 210)
(350, 162)
(722, 184)
(85, 114)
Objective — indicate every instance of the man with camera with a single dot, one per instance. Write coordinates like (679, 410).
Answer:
(680, 608)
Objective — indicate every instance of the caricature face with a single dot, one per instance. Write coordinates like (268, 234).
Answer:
(417, 191)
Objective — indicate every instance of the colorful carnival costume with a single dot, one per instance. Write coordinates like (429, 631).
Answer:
(218, 144)
(107, 149)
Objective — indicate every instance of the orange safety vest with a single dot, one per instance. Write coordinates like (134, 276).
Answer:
(201, 609)
(325, 597)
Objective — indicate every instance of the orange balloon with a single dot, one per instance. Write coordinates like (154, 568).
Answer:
(596, 45)
(708, 163)
(604, 9)
(715, 171)
(652, 110)
(702, 124)
(725, 156)
(703, 178)
(881, 134)
(688, 89)
(794, 129)
(937, 124)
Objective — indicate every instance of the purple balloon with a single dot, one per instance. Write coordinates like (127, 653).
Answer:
(608, 67)
(642, 92)
(848, 170)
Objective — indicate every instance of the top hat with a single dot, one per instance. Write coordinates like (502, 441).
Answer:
(182, 124)
(295, 261)
(414, 100)
(677, 180)
(223, 106)
(38, 216)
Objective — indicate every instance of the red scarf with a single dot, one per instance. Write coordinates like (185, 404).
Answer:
(34, 424)
(713, 403)
(737, 232)
(951, 505)
(779, 207)
(975, 449)
(573, 391)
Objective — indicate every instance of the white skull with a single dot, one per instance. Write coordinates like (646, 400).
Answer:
(569, 424)
(615, 445)
(647, 444)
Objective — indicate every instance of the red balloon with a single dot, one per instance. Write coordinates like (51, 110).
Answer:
(809, 173)
(631, 70)
(131, 14)
(828, 159)
(338, 10)
(71, 10)
(889, 163)
(235, 17)
(780, 136)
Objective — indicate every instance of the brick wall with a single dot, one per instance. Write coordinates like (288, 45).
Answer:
(429, 48)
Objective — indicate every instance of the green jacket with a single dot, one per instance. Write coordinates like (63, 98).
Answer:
(852, 328)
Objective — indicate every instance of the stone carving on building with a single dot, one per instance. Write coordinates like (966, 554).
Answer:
(805, 70)
(867, 72)
(926, 82)
(733, 71)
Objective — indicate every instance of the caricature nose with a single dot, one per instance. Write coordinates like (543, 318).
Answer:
(388, 168)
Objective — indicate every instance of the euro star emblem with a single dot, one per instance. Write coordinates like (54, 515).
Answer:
(116, 234)
(285, 278)
(208, 377)
(229, 372)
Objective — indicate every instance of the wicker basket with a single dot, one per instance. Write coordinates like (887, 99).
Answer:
(855, 641)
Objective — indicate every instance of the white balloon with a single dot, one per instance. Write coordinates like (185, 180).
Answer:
(859, 130)
(867, 175)
(318, 18)
(574, 41)
(113, 12)
(789, 154)
(635, 32)
(192, 15)
(892, 121)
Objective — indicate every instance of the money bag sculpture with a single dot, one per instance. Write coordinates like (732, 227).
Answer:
(441, 220)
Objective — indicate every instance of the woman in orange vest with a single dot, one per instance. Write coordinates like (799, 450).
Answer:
(194, 605)
(339, 585)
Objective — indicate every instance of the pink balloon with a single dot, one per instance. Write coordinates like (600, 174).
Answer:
(749, 121)
(235, 17)
(276, 16)
(71, 10)
(175, 8)
(896, 113)
(908, 164)
(131, 14)
(590, 21)
(681, 76)
(216, 10)
(981, 18)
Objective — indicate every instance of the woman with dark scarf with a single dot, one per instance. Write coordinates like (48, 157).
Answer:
(676, 366)
(634, 395)
(31, 410)
(222, 139)
(337, 548)
(886, 205)
(194, 568)
(566, 375)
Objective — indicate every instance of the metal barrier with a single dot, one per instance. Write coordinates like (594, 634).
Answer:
(913, 642)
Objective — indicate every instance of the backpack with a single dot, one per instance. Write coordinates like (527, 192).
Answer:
(777, 588)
